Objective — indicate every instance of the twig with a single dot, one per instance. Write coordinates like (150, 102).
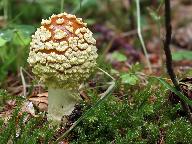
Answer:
(23, 82)
(103, 96)
(108, 46)
(106, 73)
(37, 85)
(133, 32)
(118, 39)
(140, 35)
(169, 56)
(28, 73)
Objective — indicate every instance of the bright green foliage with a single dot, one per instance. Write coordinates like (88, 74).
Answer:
(2, 42)
(14, 42)
(119, 57)
(129, 78)
(182, 55)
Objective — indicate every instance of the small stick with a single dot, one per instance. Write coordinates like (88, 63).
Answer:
(133, 32)
(106, 73)
(169, 56)
(23, 82)
(108, 46)
(27, 73)
(140, 35)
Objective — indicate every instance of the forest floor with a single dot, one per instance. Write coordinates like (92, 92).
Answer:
(139, 108)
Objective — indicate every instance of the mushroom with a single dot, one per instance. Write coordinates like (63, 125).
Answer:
(62, 55)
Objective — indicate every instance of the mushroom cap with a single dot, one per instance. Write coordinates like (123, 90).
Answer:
(62, 51)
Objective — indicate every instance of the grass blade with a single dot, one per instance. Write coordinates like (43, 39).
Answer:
(173, 89)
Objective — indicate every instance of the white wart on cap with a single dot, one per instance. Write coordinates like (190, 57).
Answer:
(63, 51)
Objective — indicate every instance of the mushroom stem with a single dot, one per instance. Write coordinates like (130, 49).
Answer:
(61, 102)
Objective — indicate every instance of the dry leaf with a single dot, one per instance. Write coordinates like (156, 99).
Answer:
(40, 101)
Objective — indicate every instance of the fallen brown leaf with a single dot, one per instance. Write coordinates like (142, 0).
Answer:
(40, 101)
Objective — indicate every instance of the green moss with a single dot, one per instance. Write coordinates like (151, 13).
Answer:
(33, 131)
(135, 118)
(179, 131)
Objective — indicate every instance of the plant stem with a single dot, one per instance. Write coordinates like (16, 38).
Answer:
(62, 6)
(5, 10)
(131, 14)
(169, 56)
(23, 82)
(61, 102)
(140, 35)
(80, 4)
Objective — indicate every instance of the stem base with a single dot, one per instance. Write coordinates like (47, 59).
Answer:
(61, 102)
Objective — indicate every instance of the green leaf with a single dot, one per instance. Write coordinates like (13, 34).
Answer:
(5, 66)
(119, 57)
(2, 42)
(181, 55)
(154, 15)
(20, 39)
(129, 79)
(26, 30)
(7, 34)
(173, 89)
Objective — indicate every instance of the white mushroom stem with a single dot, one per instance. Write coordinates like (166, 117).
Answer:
(61, 102)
